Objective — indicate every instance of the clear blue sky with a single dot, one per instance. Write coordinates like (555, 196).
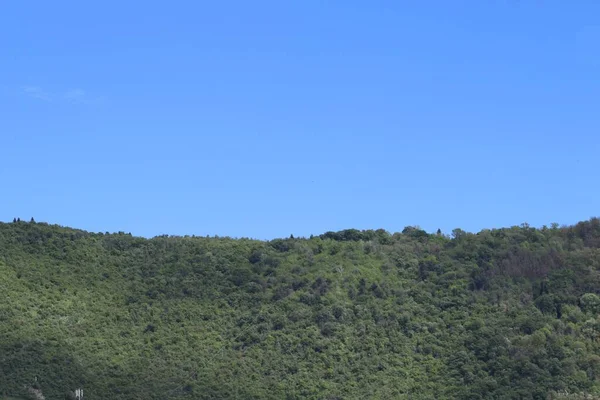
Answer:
(267, 118)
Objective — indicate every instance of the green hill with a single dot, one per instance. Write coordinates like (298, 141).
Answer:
(501, 314)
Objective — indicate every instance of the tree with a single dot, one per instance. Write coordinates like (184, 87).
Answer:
(590, 302)
(32, 220)
(458, 233)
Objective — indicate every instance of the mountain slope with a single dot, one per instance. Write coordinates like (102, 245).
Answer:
(502, 314)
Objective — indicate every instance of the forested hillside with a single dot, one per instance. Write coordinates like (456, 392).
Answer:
(501, 314)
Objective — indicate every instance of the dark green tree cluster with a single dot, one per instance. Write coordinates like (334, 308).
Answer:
(502, 314)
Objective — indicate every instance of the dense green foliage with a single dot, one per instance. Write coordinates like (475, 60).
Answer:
(501, 314)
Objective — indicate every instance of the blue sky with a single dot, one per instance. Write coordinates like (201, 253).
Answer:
(269, 118)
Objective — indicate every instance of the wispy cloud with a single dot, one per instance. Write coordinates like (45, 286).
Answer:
(36, 92)
(75, 95)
